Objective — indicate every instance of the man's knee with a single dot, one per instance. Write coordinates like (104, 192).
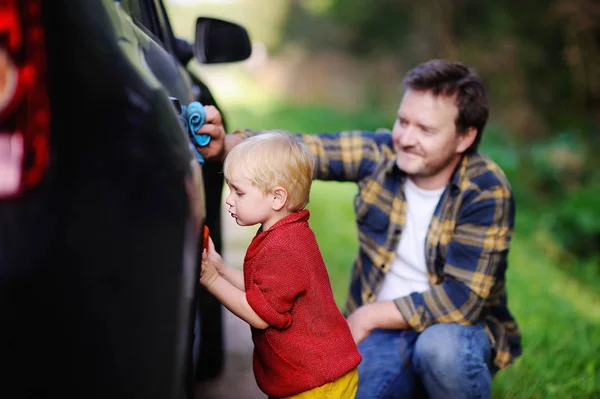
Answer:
(453, 361)
(447, 347)
(436, 347)
(382, 372)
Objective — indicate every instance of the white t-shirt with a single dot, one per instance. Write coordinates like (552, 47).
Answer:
(409, 272)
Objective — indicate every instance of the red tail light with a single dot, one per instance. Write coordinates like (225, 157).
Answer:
(24, 106)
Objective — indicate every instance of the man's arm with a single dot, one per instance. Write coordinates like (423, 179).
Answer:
(348, 156)
(478, 249)
(220, 143)
(230, 141)
(343, 156)
(374, 315)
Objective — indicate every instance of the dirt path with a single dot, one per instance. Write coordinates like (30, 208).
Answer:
(237, 380)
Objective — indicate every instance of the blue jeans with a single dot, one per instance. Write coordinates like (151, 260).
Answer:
(444, 361)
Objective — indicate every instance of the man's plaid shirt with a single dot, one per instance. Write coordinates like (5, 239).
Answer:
(466, 246)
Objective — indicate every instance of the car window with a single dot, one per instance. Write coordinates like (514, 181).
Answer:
(132, 8)
(149, 17)
(165, 24)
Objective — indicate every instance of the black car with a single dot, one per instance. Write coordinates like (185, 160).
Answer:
(101, 200)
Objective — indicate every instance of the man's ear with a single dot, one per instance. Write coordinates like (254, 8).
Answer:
(465, 139)
(280, 195)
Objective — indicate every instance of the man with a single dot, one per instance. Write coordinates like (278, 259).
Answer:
(427, 301)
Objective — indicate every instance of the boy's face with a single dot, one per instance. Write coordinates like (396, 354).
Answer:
(248, 205)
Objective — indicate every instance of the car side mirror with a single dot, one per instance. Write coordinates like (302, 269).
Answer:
(219, 41)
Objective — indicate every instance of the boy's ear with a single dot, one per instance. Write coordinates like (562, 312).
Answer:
(279, 198)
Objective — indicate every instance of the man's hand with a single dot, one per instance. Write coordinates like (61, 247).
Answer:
(360, 324)
(374, 315)
(208, 273)
(213, 126)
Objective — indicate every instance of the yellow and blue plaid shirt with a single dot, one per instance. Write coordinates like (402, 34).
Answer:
(466, 246)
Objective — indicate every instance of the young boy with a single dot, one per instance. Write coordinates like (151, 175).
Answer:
(303, 347)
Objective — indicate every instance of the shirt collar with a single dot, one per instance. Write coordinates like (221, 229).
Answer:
(301, 216)
(458, 175)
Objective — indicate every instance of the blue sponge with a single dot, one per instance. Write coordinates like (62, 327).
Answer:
(192, 118)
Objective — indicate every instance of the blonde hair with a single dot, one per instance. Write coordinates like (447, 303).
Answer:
(274, 159)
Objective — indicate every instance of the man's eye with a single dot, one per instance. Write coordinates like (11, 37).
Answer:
(239, 193)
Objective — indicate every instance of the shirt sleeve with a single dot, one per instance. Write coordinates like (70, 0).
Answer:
(277, 282)
(344, 156)
(476, 254)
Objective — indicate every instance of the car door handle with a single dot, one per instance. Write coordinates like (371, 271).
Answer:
(176, 104)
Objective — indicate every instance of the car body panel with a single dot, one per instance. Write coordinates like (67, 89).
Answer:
(98, 263)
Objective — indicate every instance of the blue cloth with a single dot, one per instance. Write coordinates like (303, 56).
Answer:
(192, 118)
(444, 361)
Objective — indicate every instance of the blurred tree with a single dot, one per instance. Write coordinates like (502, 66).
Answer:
(541, 58)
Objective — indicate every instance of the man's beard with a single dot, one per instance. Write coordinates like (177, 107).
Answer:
(429, 170)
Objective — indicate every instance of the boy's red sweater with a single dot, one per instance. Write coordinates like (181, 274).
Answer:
(308, 343)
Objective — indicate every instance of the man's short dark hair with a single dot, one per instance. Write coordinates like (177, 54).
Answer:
(447, 78)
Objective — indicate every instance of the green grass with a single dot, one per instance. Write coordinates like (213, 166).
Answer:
(558, 311)
(332, 219)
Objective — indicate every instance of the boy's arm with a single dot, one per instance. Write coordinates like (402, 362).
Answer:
(235, 300)
(229, 295)
(279, 279)
(234, 276)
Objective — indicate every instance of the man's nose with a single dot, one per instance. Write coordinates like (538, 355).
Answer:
(408, 136)
(228, 200)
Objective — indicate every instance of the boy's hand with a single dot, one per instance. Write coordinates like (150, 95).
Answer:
(208, 272)
(214, 257)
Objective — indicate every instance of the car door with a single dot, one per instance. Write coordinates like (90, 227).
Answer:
(152, 18)
(154, 52)
(158, 53)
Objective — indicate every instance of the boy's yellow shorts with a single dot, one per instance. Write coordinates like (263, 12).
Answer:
(343, 388)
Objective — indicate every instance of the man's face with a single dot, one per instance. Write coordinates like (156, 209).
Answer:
(425, 138)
